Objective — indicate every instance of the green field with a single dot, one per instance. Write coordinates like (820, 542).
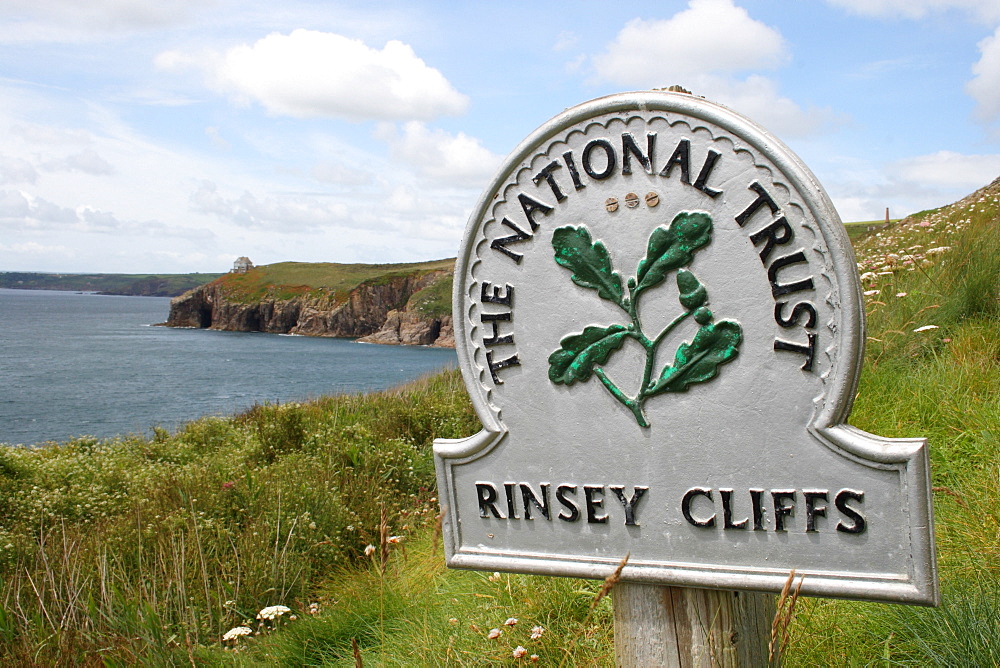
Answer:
(149, 551)
(286, 280)
(147, 285)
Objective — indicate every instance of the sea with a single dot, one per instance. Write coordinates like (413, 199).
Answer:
(79, 364)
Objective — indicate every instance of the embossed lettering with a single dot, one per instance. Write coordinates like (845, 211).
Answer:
(629, 504)
(686, 506)
(857, 519)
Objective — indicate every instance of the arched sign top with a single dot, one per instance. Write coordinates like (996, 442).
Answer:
(657, 310)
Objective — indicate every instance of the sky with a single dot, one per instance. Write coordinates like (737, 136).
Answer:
(142, 136)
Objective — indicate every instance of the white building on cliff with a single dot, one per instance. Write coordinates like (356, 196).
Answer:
(242, 265)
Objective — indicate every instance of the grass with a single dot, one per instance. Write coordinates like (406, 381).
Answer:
(859, 230)
(326, 280)
(433, 301)
(133, 549)
(147, 551)
(154, 285)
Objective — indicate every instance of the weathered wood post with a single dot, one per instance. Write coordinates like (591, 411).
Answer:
(659, 321)
(685, 627)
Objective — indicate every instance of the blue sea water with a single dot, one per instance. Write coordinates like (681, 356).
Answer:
(76, 364)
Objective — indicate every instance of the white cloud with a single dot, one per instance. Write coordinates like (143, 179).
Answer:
(318, 74)
(565, 40)
(757, 98)
(448, 160)
(948, 169)
(862, 191)
(659, 53)
(16, 170)
(340, 174)
(278, 213)
(20, 211)
(74, 20)
(986, 10)
(985, 85)
(215, 136)
(34, 248)
(85, 162)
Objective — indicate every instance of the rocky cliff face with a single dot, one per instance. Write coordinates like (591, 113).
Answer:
(374, 311)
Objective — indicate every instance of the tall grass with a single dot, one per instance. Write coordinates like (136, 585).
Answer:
(131, 548)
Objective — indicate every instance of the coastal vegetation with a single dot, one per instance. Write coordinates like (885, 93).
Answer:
(380, 303)
(307, 534)
(144, 285)
(286, 280)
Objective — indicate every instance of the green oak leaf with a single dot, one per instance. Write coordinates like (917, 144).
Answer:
(672, 247)
(588, 260)
(579, 353)
(698, 361)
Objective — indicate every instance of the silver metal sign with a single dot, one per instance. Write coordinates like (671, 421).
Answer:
(659, 321)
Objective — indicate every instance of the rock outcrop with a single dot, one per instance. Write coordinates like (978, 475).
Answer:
(374, 311)
(407, 327)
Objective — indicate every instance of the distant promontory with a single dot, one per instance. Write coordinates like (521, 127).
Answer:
(376, 303)
(141, 285)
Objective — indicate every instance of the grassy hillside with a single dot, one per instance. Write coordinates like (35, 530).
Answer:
(150, 285)
(156, 551)
(285, 280)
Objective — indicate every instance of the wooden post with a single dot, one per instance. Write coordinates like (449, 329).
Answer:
(680, 627)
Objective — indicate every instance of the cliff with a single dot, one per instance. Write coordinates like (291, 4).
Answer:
(391, 304)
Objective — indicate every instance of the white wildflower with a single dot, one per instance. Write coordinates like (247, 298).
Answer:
(520, 652)
(393, 539)
(536, 632)
(511, 621)
(494, 577)
(900, 294)
(272, 612)
(369, 550)
(236, 632)
(869, 293)
(925, 328)
(494, 634)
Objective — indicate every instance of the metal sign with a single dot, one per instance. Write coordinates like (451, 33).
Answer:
(659, 321)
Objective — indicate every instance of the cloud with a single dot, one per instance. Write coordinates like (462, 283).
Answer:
(24, 212)
(565, 40)
(277, 213)
(948, 169)
(16, 170)
(85, 162)
(449, 160)
(863, 191)
(757, 98)
(73, 20)
(20, 210)
(340, 174)
(33, 248)
(985, 85)
(658, 53)
(308, 74)
(986, 10)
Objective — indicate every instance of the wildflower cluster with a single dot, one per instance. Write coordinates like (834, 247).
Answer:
(518, 652)
(920, 243)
